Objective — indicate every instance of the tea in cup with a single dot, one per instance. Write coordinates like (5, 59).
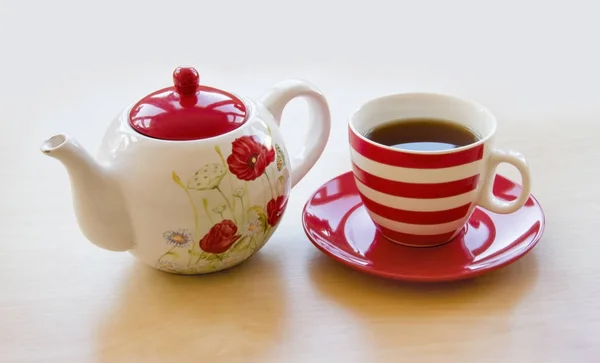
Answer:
(422, 162)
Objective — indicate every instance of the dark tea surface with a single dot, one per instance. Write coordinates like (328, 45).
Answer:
(422, 134)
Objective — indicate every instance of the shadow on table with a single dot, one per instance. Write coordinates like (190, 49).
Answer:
(236, 314)
(396, 315)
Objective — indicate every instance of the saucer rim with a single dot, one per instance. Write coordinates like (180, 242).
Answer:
(438, 278)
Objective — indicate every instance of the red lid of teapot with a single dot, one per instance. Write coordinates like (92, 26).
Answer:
(187, 110)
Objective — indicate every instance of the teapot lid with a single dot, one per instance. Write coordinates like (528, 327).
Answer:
(187, 110)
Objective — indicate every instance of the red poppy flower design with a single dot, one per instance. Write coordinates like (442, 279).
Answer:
(220, 237)
(275, 209)
(249, 158)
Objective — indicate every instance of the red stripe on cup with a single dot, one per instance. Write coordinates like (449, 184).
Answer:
(413, 217)
(416, 190)
(415, 240)
(410, 160)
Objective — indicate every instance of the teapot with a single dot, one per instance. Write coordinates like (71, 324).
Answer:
(191, 179)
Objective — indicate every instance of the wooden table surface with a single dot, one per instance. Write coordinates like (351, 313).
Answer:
(70, 66)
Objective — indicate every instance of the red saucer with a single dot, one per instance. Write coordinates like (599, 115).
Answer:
(336, 222)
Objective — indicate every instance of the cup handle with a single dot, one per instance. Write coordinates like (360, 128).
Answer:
(487, 199)
(275, 101)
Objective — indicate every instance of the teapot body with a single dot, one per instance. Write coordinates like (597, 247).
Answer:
(204, 205)
(192, 179)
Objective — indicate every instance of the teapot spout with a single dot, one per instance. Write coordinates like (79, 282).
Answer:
(97, 200)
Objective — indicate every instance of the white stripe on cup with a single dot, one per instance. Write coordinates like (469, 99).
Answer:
(410, 175)
(414, 204)
(418, 229)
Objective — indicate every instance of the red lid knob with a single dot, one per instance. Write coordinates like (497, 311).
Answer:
(186, 80)
(187, 110)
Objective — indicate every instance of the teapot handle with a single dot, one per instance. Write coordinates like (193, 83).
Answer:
(275, 101)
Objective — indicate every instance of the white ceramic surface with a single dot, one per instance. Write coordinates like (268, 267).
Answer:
(179, 206)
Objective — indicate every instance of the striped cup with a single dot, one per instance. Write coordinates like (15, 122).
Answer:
(424, 198)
